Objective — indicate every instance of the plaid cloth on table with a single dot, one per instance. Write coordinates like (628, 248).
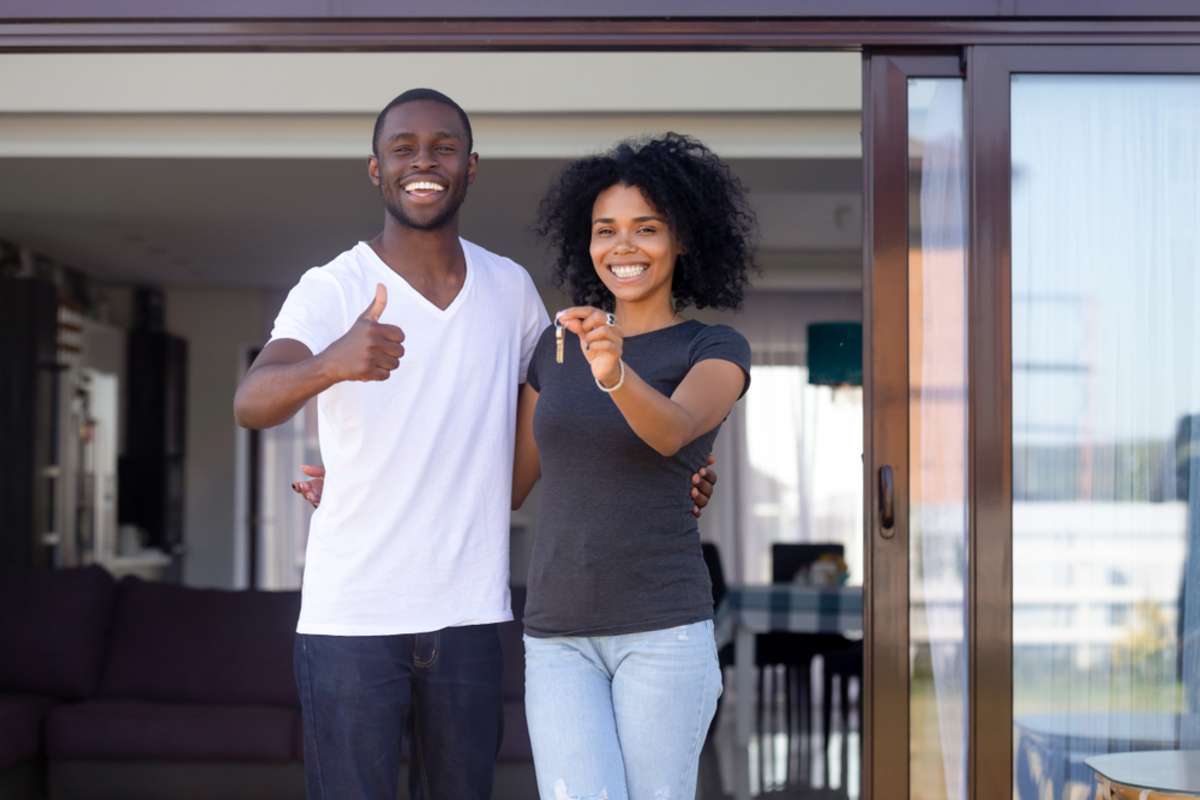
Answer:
(792, 608)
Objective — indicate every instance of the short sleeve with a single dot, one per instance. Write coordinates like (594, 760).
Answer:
(313, 313)
(723, 343)
(534, 320)
(541, 353)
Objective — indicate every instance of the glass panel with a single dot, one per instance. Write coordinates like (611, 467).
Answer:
(1106, 392)
(937, 438)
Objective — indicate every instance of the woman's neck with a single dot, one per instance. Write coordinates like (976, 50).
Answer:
(639, 318)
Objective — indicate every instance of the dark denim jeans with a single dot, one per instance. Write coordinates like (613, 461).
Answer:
(362, 696)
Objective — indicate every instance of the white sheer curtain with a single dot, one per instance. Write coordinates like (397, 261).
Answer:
(283, 515)
(1106, 383)
(790, 455)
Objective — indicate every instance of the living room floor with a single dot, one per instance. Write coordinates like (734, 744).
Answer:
(796, 766)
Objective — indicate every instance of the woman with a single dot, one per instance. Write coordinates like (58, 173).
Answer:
(623, 397)
(621, 667)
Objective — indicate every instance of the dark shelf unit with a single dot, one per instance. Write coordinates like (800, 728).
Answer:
(152, 466)
(28, 385)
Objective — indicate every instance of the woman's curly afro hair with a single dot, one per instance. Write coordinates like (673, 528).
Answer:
(704, 203)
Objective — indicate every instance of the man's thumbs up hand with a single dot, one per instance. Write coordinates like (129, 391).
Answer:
(370, 350)
(375, 310)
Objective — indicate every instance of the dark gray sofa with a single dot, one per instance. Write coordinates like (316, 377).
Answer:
(142, 690)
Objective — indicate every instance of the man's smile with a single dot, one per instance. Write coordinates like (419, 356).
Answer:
(423, 188)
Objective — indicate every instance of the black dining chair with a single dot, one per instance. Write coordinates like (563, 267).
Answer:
(845, 664)
(789, 559)
(795, 652)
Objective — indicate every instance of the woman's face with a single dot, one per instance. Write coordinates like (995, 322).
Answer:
(633, 248)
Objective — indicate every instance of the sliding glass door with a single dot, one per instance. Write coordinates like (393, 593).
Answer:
(917, 390)
(1033, 392)
(1091, 202)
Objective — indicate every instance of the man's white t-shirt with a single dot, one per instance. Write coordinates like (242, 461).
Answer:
(412, 531)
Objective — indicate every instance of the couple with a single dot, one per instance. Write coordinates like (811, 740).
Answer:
(441, 384)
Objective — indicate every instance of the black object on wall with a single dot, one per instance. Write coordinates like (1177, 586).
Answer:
(28, 378)
(152, 467)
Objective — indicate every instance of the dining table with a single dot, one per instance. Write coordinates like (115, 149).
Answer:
(1147, 775)
(749, 610)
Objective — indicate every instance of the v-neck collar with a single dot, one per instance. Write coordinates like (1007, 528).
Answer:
(397, 279)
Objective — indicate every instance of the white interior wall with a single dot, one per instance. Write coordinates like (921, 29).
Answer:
(219, 324)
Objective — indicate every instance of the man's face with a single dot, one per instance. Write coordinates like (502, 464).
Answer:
(423, 164)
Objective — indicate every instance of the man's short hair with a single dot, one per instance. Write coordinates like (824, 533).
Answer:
(412, 96)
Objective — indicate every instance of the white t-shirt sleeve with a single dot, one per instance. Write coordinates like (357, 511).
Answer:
(314, 312)
(534, 320)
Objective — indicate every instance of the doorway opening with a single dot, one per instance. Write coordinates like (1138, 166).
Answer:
(222, 195)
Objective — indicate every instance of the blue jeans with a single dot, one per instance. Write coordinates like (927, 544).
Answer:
(621, 717)
(362, 696)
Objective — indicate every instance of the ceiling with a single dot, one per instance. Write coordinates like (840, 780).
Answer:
(260, 223)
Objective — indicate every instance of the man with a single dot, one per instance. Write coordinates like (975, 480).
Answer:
(415, 344)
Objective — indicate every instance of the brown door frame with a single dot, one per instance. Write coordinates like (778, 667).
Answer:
(994, 49)
(886, 408)
(990, 71)
(868, 29)
(39, 10)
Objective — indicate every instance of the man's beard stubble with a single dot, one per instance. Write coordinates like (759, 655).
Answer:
(398, 213)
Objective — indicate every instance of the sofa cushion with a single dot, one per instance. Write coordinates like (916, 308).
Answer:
(21, 719)
(180, 645)
(53, 624)
(116, 730)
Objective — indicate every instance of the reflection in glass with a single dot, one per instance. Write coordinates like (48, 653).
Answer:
(1106, 389)
(937, 438)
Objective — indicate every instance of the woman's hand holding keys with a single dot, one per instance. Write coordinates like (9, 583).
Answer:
(600, 339)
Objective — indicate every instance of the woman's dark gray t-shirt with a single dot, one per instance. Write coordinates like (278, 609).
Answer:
(617, 549)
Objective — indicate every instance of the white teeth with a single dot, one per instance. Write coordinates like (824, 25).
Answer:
(630, 271)
(424, 186)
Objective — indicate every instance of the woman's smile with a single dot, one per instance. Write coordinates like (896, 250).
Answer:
(628, 273)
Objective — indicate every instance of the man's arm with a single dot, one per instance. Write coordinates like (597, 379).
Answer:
(703, 481)
(286, 374)
(282, 379)
(527, 463)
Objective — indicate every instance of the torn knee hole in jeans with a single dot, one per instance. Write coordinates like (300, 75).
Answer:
(561, 793)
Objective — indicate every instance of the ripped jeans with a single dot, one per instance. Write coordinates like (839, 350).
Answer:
(621, 717)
